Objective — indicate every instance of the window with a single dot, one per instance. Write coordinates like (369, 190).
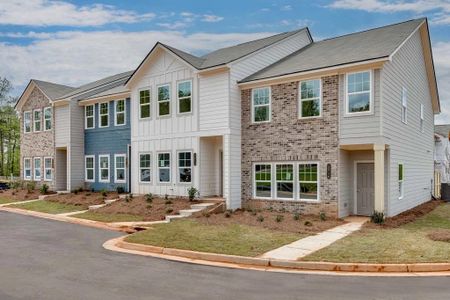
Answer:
(103, 166)
(27, 168)
(421, 118)
(48, 168)
(27, 121)
(89, 117)
(119, 160)
(120, 118)
(261, 105)
(310, 98)
(359, 92)
(285, 181)
(104, 114)
(404, 106)
(164, 167)
(37, 168)
(400, 180)
(184, 97)
(144, 104)
(164, 100)
(184, 167)
(89, 172)
(308, 187)
(47, 118)
(37, 119)
(263, 181)
(145, 170)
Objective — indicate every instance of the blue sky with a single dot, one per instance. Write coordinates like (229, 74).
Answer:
(73, 42)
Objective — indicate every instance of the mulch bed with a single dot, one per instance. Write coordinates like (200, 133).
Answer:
(306, 224)
(407, 216)
(83, 198)
(20, 195)
(440, 235)
(155, 211)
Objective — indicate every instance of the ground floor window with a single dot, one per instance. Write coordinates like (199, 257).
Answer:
(103, 165)
(185, 167)
(89, 168)
(48, 169)
(37, 168)
(286, 180)
(164, 167)
(27, 168)
(119, 160)
(145, 170)
(400, 181)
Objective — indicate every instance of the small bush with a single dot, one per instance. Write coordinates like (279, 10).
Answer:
(104, 193)
(168, 202)
(44, 189)
(322, 216)
(296, 216)
(308, 223)
(227, 214)
(283, 210)
(169, 210)
(149, 198)
(193, 193)
(131, 196)
(253, 212)
(166, 197)
(270, 208)
(120, 190)
(279, 218)
(260, 218)
(31, 186)
(377, 217)
(128, 198)
(14, 185)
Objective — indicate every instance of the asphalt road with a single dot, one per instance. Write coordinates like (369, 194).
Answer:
(43, 259)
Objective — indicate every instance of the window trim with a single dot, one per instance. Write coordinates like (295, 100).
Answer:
(124, 112)
(150, 167)
(36, 178)
(293, 181)
(269, 104)
(149, 89)
(30, 112)
(192, 97)
(30, 168)
(371, 95)
(124, 168)
(169, 168)
(317, 182)
(404, 105)
(169, 100)
(86, 168)
(254, 181)
(300, 100)
(40, 120)
(100, 114)
(86, 117)
(100, 168)
(192, 167)
(51, 118)
(51, 168)
(402, 181)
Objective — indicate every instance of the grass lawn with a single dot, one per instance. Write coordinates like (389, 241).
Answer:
(232, 239)
(108, 218)
(48, 207)
(406, 244)
(4, 200)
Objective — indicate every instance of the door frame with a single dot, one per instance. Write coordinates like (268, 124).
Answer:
(355, 181)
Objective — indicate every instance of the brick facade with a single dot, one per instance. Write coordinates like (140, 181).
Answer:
(288, 138)
(36, 144)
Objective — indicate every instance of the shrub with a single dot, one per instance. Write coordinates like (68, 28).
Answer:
(169, 210)
(128, 198)
(283, 210)
(31, 186)
(260, 218)
(193, 193)
(14, 185)
(227, 214)
(253, 212)
(270, 208)
(377, 217)
(104, 193)
(168, 202)
(120, 190)
(44, 189)
(149, 198)
(279, 218)
(322, 216)
(166, 197)
(308, 223)
(296, 216)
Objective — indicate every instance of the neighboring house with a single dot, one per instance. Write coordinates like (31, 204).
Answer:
(442, 151)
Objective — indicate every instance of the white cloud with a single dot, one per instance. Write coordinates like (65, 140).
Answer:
(286, 8)
(174, 25)
(441, 53)
(211, 18)
(62, 13)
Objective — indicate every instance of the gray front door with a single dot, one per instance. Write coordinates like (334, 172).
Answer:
(364, 189)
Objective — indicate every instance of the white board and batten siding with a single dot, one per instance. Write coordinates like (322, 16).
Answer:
(408, 145)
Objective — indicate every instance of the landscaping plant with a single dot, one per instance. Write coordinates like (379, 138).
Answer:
(169, 210)
(279, 218)
(260, 218)
(120, 190)
(149, 198)
(193, 193)
(228, 213)
(44, 189)
(296, 216)
(377, 217)
(104, 193)
(308, 223)
(31, 186)
(322, 216)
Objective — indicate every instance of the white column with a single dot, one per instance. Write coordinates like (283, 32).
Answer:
(379, 177)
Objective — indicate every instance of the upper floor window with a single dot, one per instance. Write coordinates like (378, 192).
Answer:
(27, 168)
(37, 118)
(400, 181)
(144, 104)
(310, 98)
(404, 105)
(37, 168)
(47, 118)
(27, 121)
(104, 114)
(359, 92)
(164, 167)
(184, 97)
(164, 100)
(184, 167)
(261, 106)
(422, 117)
(120, 118)
(89, 117)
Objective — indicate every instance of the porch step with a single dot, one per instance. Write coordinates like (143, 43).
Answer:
(173, 217)
(111, 201)
(94, 207)
(189, 212)
(202, 206)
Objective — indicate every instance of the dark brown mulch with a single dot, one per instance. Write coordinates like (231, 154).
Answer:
(407, 216)
(20, 195)
(440, 235)
(83, 199)
(155, 211)
(287, 224)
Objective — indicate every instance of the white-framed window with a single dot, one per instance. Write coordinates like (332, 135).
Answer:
(48, 118)
(359, 93)
(404, 105)
(120, 113)
(144, 104)
(27, 121)
(185, 166)
(164, 100)
(262, 180)
(422, 117)
(37, 168)
(308, 178)
(184, 92)
(119, 167)
(48, 168)
(164, 167)
(37, 120)
(89, 168)
(310, 98)
(103, 114)
(284, 181)
(103, 168)
(89, 116)
(145, 167)
(401, 177)
(27, 168)
(261, 105)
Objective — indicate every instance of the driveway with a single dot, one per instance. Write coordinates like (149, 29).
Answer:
(43, 259)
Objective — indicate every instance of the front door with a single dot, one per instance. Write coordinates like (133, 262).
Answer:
(365, 189)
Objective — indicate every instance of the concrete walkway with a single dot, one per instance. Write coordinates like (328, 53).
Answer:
(310, 244)
(19, 202)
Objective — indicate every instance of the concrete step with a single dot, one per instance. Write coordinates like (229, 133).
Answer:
(189, 212)
(173, 217)
(202, 205)
(111, 201)
(94, 207)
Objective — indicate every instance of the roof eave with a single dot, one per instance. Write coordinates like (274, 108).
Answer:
(109, 97)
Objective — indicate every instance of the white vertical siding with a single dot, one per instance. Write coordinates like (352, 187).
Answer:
(210, 148)
(62, 125)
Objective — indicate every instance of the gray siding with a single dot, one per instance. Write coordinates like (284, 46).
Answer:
(76, 151)
(62, 126)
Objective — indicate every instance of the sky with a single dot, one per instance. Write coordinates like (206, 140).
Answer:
(78, 41)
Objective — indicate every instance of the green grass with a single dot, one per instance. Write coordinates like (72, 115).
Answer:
(231, 239)
(4, 200)
(47, 207)
(108, 218)
(406, 244)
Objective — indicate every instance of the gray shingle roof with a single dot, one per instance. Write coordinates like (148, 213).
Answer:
(442, 129)
(356, 47)
(53, 90)
(111, 88)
